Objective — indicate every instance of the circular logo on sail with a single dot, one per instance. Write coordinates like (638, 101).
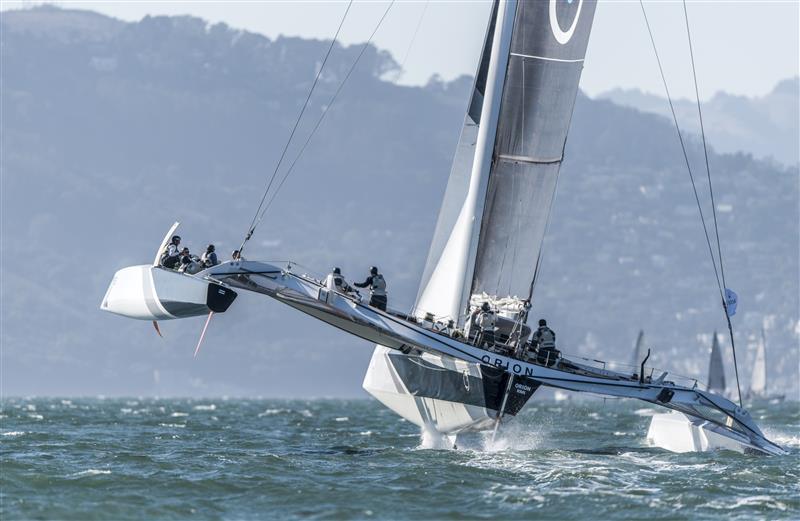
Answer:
(561, 35)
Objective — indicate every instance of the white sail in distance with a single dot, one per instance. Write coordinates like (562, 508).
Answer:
(637, 350)
(716, 371)
(758, 381)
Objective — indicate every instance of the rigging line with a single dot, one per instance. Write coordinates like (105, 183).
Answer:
(683, 149)
(713, 204)
(696, 196)
(413, 38)
(294, 128)
(324, 113)
(705, 148)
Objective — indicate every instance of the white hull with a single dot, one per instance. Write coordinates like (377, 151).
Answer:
(387, 384)
(677, 432)
(153, 293)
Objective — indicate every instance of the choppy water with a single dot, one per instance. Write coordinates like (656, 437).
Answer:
(260, 459)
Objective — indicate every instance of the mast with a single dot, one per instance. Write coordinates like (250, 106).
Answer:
(445, 290)
(486, 138)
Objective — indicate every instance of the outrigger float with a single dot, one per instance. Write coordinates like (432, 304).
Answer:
(487, 247)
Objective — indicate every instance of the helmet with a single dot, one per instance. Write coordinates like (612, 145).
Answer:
(485, 306)
(542, 322)
(373, 270)
(210, 248)
(337, 271)
(176, 239)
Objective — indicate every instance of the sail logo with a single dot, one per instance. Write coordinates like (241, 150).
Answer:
(561, 35)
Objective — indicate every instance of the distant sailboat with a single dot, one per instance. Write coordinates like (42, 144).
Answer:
(758, 380)
(716, 371)
(637, 350)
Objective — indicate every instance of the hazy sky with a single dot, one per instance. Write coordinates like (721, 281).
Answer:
(742, 47)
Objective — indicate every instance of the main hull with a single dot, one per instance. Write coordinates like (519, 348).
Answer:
(442, 394)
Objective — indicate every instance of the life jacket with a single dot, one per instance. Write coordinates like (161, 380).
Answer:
(335, 282)
(169, 257)
(546, 338)
(487, 320)
(378, 286)
(209, 259)
(339, 283)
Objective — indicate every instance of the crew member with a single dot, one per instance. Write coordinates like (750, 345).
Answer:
(486, 321)
(335, 281)
(171, 254)
(209, 258)
(544, 339)
(448, 328)
(187, 263)
(377, 288)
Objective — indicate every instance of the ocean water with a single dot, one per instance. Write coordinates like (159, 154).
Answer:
(337, 459)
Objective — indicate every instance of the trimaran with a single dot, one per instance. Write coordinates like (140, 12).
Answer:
(487, 247)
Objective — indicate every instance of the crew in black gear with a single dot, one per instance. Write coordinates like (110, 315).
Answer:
(377, 288)
(335, 282)
(544, 339)
(171, 254)
(187, 262)
(486, 320)
(209, 258)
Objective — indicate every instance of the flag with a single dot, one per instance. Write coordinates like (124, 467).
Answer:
(731, 300)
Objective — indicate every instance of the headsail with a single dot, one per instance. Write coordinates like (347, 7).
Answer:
(716, 371)
(452, 256)
(539, 85)
(458, 182)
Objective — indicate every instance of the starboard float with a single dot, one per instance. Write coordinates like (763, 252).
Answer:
(487, 247)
